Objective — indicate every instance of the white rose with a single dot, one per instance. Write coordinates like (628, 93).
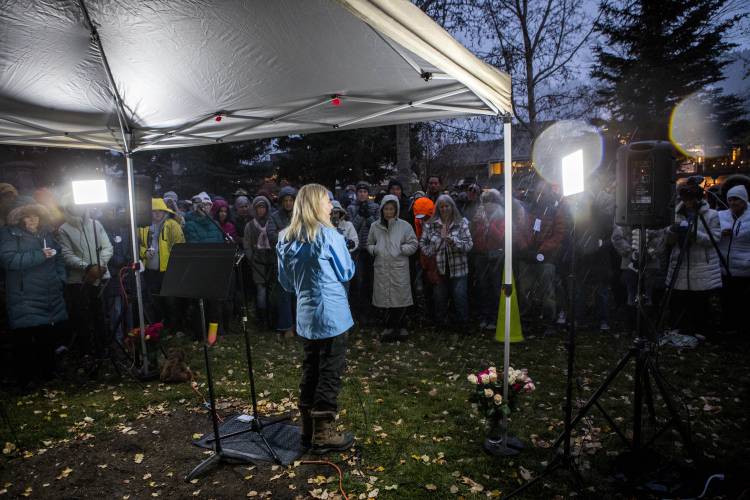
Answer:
(498, 399)
(488, 393)
(493, 377)
(485, 378)
(473, 379)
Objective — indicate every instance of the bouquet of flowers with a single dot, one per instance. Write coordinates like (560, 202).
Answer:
(152, 334)
(488, 391)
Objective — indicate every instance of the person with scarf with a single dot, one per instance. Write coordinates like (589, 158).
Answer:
(261, 258)
(447, 237)
(156, 242)
(35, 276)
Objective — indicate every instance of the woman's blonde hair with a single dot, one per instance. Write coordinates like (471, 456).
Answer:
(308, 214)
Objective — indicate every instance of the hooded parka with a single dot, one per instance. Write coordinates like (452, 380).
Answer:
(34, 284)
(391, 243)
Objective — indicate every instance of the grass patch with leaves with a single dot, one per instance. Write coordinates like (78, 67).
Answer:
(417, 436)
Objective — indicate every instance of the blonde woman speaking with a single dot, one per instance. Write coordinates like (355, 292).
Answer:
(314, 263)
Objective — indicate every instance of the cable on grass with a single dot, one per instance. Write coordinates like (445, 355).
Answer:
(331, 464)
(194, 386)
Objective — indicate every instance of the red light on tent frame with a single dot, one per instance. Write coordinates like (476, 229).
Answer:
(336, 101)
(218, 118)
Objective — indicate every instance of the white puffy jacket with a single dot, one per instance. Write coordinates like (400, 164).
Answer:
(736, 245)
(700, 268)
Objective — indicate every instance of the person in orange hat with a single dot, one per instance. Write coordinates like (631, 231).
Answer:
(156, 242)
(426, 267)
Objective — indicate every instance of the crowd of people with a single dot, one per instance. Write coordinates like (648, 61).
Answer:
(438, 253)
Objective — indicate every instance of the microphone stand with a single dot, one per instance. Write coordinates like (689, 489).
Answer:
(256, 426)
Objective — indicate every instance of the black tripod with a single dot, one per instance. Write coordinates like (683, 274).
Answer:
(565, 460)
(645, 371)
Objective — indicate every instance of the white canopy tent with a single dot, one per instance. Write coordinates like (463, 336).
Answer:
(134, 75)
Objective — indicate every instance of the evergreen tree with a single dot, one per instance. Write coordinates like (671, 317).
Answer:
(655, 53)
(343, 157)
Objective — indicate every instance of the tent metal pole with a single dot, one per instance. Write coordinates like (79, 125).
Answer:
(508, 268)
(405, 106)
(137, 272)
(459, 109)
(171, 133)
(75, 136)
(276, 118)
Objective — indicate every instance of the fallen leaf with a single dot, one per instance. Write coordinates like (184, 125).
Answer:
(430, 487)
(64, 473)
(138, 458)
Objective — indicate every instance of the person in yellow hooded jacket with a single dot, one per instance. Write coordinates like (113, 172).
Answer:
(156, 242)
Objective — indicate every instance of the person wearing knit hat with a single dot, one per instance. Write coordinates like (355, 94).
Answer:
(241, 214)
(397, 189)
(345, 228)
(735, 247)
(198, 226)
(362, 213)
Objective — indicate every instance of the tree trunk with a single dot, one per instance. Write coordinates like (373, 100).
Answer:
(403, 155)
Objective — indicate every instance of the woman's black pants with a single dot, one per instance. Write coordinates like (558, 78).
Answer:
(322, 368)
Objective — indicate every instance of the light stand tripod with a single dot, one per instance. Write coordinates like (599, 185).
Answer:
(565, 460)
(645, 370)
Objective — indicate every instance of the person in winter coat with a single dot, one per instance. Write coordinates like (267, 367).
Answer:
(362, 213)
(261, 258)
(280, 220)
(344, 227)
(735, 246)
(220, 213)
(243, 214)
(199, 228)
(156, 242)
(314, 263)
(117, 310)
(86, 250)
(546, 229)
(626, 242)
(34, 281)
(697, 282)
(488, 234)
(447, 237)
(391, 241)
(425, 267)
(397, 189)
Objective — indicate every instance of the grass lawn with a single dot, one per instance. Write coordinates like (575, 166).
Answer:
(417, 436)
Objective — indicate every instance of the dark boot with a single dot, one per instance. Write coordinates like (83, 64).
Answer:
(307, 426)
(325, 436)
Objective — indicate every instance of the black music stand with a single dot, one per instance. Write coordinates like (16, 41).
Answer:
(203, 271)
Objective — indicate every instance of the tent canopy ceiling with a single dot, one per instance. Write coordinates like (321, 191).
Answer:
(205, 71)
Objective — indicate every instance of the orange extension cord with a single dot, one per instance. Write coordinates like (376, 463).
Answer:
(341, 474)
